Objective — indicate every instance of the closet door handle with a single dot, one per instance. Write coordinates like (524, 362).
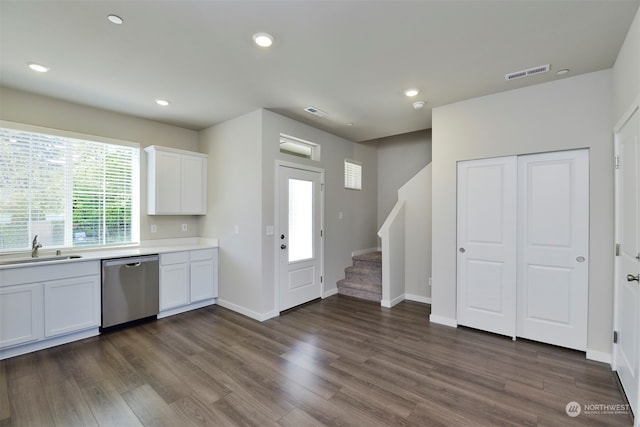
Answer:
(462, 250)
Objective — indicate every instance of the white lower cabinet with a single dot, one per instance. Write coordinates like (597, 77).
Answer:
(21, 314)
(71, 305)
(174, 280)
(44, 306)
(188, 280)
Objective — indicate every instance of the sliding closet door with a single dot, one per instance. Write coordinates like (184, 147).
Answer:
(553, 248)
(486, 271)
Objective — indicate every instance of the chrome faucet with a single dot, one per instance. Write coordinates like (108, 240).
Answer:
(35, 245)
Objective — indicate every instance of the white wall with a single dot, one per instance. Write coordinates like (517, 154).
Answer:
(416, 194)
(234, 209)
(242, 167)
(24, 107)
(565, 114)
(626, 72)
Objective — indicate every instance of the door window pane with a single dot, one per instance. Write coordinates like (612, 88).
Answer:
(300, 220)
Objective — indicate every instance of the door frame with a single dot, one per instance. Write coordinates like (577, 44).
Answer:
(277, 231)
(617, 271)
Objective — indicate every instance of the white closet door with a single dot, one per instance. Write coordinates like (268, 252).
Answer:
(553, 248)
(486, 271)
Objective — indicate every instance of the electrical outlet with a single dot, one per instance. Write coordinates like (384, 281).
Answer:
(154, 228)
(184, 227)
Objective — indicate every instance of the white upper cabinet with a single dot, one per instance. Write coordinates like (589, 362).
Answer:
(176, 181)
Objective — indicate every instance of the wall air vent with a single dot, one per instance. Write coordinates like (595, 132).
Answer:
(316, 111)
(526, 73)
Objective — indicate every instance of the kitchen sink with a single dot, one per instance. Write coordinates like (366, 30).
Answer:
(38, 259)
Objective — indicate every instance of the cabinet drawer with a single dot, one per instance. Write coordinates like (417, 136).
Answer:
(201, 254)
(174, 258)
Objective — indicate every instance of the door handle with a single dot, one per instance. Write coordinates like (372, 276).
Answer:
(283, 246)
(632, 278)
(462, 250)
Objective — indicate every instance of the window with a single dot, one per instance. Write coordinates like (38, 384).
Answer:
(69, 189)
(352, 175)
(299, 147)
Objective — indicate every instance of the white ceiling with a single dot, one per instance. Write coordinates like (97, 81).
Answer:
(352, 59)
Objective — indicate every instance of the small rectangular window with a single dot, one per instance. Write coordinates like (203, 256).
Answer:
(299, 148)
(352, 175)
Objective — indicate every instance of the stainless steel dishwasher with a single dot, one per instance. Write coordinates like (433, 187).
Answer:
(129, 289)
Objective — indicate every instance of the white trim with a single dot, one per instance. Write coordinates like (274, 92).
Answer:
(441, 320)
(47, 343)
(188, 307)
(330, 292)
(260, 317)
(417, 298)
(599, 356)
(391, 303)
(364, 251)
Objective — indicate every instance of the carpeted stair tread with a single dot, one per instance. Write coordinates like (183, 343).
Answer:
(364, 278)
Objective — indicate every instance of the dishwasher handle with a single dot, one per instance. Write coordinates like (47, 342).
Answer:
(129, 262)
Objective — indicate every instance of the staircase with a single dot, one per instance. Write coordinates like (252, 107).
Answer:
(364, 279)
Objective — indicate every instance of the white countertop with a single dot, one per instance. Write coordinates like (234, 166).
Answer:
(147, 247)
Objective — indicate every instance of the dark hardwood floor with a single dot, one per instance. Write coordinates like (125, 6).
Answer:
(339, 361)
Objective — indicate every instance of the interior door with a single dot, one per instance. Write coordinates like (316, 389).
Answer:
(627, 316)
(553, 248)
(300, 236)
(486, 265)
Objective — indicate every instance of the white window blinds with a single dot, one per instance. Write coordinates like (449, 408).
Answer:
(68, 191)
(352, 175)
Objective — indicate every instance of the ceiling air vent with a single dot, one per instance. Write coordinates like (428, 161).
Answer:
(526, 73)
(316, 111)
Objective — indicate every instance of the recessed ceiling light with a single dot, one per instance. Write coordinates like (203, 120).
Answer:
(115, 19)
(162, 102)
(411, 92)
(263, 39)
(418, 105)
(562, 72)
(38, 67)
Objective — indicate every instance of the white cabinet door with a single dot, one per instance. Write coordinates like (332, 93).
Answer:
(176, 182)
(21, 314)
(202, 280)
(487, 244)
(194, 185)
(71, 305)
(553, 248)
(167, 183)
(202, 275)
(174, 280)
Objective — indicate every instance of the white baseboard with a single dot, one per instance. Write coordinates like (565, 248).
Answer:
(599, 356)
(330, 292)
(441, 320)
(417, 298)
(185, 308)
(390, 303)
(364, 251)
(260, 317)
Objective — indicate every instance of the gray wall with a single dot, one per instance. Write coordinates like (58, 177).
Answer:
(400, 157)
(565, 114)
(626, 72)
(23, 107)
(242, 167)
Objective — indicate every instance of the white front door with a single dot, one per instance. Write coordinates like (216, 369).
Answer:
(487, 244)
(553, 248)
(627, 315)
(299, 237)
